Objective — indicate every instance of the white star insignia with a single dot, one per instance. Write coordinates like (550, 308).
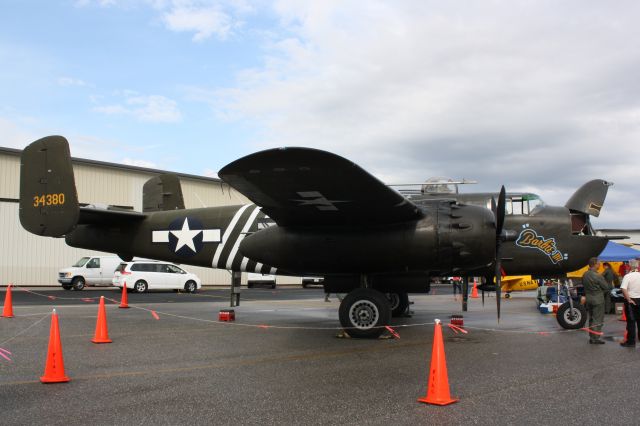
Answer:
(185, 236)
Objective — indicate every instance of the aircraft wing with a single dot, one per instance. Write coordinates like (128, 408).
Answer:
(309, 187)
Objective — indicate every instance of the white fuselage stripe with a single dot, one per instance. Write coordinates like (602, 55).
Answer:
(243, 233)
(243, 266)
(227, 232)
(210, 235)
(160, 236)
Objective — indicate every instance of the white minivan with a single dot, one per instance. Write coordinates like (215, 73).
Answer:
(143, 275)
(89, 270)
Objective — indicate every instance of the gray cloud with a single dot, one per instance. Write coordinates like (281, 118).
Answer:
(537, 95)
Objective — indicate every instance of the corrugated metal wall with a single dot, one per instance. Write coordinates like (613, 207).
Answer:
(26, 259)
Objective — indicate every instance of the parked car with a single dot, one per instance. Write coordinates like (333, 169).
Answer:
(89, 270)
(311, 281)
(267, 280)
(143, 275)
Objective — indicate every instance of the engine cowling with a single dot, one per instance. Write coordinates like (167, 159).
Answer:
(448, 237)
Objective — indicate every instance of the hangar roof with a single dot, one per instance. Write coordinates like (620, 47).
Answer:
(17, 152)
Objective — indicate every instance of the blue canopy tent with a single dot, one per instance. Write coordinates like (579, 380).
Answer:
(615, 252)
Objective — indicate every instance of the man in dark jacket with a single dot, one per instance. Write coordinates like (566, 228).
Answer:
(595, 287)
(610, 277)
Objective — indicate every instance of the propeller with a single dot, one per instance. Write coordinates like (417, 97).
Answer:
(500, 238)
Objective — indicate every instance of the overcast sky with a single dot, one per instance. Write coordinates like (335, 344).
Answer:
(536, 95)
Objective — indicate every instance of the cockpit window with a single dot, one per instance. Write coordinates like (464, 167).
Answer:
(522, 204)
(534, 201)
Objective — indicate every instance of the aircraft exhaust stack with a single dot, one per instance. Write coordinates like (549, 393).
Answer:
(48, 197)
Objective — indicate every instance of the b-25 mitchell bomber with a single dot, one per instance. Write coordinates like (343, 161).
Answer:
(328, 217)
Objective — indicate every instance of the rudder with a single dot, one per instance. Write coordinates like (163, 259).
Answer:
(162, 193)
(48, 197)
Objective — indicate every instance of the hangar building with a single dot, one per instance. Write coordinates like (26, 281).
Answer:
(29, 260)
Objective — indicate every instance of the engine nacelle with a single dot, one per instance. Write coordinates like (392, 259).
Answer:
(448, 237)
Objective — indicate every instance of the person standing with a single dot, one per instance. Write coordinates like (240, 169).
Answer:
(631, 289)
(595, 287)
(457, 286)
(610, 277)
(624, 269)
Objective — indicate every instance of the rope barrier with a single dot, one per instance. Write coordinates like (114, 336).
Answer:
(26, 329)
(156, 314)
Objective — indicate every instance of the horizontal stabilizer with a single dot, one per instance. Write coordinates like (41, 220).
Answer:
(91, 215)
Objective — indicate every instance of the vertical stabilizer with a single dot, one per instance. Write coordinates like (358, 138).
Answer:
(589, 198)
(162, 193)
(48, 197)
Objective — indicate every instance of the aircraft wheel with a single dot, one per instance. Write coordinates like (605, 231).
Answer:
(399, 303)
(190, 287)
(140, 286)
(78, 283)
(571, 319)
(364, 313)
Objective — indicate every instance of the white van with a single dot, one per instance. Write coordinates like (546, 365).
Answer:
(90, 270)
(254, 279)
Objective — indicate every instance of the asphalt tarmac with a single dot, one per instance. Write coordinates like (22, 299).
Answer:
(280, 362)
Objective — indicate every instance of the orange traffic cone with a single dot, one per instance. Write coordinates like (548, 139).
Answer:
(124, 303)
(474, 292)
(624, 314)
(54, 368)
(7, 310)
(438, 387)
(102, 334)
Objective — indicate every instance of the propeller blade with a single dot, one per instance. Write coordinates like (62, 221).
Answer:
(465, 292)
(500, 211)
(498, 275)
(500, 214)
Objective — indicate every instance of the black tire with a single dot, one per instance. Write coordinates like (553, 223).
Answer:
(67, 286)
(78, 283)
(571, 320)
(273, 286)
(399, 303)
(190, 286)
(249, 285)
(140, 286)
(305, 285)
(507, 295)
(364, 313)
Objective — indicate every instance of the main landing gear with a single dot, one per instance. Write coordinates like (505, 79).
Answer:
(365, 312)
(399, 303)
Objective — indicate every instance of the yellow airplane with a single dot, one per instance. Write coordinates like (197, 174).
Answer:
(526, 282)
(517, 283)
